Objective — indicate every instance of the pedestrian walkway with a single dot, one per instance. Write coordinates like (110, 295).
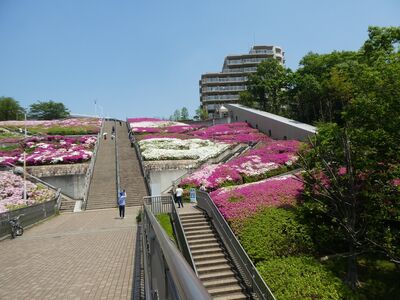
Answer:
(88, 255)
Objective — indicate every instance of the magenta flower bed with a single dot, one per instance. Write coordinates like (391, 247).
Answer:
(243, 201)
(51, 150)
(255, 162)
(231, 133)
(133, 120)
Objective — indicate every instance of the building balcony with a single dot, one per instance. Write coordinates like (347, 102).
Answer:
(214, 98)
(226, 88)
(224, 79)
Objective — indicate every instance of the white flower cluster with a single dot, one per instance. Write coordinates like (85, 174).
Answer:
(177, 149)
(155, 124)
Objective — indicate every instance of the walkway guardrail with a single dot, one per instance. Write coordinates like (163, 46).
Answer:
(140, 158)
(165, 204)
(183, 243)
(31, 214)
(255, 284)
(167, 274)
(118, 179)
(89, 171)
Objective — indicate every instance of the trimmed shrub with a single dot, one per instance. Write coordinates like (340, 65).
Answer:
(301, 277)
(273, 232)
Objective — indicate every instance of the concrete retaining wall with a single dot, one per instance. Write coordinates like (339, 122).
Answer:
(274, 126)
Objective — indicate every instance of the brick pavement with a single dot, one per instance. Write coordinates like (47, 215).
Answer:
(88, 255)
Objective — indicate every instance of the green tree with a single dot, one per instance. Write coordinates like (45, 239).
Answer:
(268, 86)
(184, 114)
(10, 109)
(49, 110)
(202, 113)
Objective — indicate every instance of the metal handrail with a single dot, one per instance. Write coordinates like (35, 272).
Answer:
(181, 237)
(89, 171)
(139, 157)
(184, 281)
(118, 180)
(252, 278)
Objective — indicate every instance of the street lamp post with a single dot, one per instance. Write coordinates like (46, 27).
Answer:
(24, 158)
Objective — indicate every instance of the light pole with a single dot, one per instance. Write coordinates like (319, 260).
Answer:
(24, 158)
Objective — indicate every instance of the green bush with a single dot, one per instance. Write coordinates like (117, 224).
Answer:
(301, 277)
(273, 232)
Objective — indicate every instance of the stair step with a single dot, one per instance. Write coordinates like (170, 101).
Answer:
(198, 258)
(209, 250)
(194, 224)
(220, 282)
(201, 242)
(197, 228)
(198, 232)
(234, 296)
(224, 290)
(211, 262)
(213, 269)
(204, 246)
(217, 275)
(200, 236)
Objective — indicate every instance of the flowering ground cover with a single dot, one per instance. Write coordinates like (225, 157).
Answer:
(231, 133)
(255, 164)
(11, 192)
(177, 149)
(240, 202)
(75, 126)
(49, 150)
(152, 125)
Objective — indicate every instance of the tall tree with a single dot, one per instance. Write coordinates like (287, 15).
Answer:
(49, 110)
(202, 113)
(184, 114)
(267, 86)
(10, 109)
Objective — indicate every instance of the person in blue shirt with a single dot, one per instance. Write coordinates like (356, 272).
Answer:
(121, 204)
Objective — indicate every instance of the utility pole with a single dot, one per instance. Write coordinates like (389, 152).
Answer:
(24, 158)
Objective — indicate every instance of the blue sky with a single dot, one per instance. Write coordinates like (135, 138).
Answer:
(145, 58)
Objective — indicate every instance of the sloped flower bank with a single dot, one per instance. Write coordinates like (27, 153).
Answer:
(70, 126)
(256, 163)
(240, 202)
(51, 150)
(12, 189)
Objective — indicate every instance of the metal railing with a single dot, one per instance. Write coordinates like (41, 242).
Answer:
(167, 274)
(254, 282)
(89, 171)
(31, 214)
(140, 158)
(118, 179)
(183, 243)
(165, 204)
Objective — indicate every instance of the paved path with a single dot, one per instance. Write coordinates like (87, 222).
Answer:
(88, 255)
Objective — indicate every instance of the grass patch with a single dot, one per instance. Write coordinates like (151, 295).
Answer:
(165, 222)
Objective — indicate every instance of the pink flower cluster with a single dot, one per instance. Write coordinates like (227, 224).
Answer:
(243, 201)
(255, 162)
(12, 190)
(231, 133)
(51, 150)
(134, 120)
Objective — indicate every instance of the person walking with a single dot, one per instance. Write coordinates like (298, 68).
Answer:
(178, 194)
(121, 204)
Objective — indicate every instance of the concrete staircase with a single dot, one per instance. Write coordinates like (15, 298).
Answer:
(213, 267)
(131, 178)
(103, 186)
(67, 204)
